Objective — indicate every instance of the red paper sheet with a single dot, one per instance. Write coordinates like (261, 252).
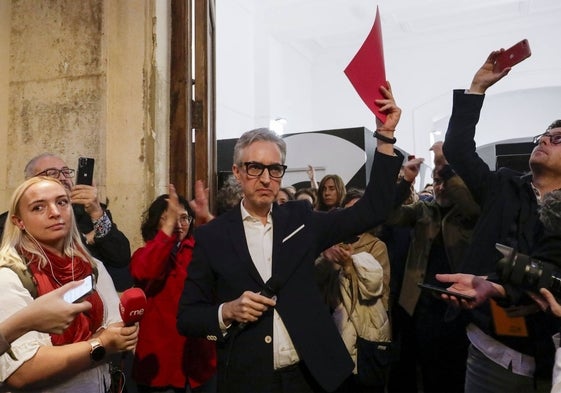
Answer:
(367, 71)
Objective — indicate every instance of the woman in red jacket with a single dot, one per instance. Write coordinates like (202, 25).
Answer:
(166, 361)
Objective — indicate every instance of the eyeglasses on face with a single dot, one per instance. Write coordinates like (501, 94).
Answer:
(554, 139)
(55, 172)
(253, 168)
(185, 219)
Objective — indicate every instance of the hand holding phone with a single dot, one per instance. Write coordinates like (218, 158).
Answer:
(78, 294)
(440, 290)
(85, 171)
(512, 56)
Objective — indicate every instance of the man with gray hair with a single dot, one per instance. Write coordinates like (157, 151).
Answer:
(250, 285)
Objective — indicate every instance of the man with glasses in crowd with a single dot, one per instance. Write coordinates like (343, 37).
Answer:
(250, 285)
(99, 233)
(505, 353)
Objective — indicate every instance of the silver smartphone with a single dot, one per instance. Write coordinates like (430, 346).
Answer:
(78, 294)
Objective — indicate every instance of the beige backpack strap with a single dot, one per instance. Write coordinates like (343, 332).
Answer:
(26, 278)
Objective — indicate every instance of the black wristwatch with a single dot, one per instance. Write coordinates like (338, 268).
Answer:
(97, 352)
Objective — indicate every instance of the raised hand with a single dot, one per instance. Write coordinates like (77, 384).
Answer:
(171, 215)
(486, 77)
(439, 159)
(390, 108)
(411, 169)
(200, 204)
(86, 195)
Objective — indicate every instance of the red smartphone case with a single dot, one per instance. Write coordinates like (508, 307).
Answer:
(513, 55)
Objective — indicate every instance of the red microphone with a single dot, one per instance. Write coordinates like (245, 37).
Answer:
(132, 305)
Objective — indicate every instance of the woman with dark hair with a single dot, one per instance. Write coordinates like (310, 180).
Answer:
(164, 360)
(331, 192)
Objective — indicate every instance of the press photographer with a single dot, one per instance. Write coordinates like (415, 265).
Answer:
(539, 273)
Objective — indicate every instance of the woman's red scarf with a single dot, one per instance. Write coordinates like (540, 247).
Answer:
(86, 323)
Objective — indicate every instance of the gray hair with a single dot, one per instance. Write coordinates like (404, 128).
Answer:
(29, 170)
(259, 134)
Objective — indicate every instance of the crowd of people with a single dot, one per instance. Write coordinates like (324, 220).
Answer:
(313, 289)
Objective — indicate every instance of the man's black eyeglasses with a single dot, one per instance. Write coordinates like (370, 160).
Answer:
(554, 139)
(253, 168)
(54, 172)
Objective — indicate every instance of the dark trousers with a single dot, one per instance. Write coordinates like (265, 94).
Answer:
(435, 348)
(353, 385)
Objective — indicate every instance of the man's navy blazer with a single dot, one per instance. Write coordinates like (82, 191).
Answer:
(222, 269)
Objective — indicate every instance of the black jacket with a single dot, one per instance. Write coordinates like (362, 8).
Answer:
(222, 269)
(509, 216)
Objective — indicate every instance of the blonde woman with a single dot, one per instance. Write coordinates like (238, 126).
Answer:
(41, 236)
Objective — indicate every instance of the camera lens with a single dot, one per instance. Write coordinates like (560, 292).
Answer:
(527, 273)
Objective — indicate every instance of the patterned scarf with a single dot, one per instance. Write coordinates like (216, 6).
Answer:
(58, 272)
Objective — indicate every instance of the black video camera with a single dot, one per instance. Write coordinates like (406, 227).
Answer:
(528, 273)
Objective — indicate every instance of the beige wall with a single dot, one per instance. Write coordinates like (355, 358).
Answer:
(76, 79)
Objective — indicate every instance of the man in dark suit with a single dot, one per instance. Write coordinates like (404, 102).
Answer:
(286, 340)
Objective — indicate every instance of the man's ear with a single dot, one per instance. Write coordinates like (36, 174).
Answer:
(236, 172)
(18, 222)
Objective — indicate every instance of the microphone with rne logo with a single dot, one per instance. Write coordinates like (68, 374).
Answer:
(132, 305)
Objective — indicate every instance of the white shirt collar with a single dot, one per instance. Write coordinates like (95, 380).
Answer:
(246, 215)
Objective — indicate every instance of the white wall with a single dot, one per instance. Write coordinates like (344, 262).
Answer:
(236, 71)
(272, 79)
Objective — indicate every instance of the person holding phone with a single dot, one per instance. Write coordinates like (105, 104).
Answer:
(41, 236)
(509, 200)
(99, 232)
(49, 313)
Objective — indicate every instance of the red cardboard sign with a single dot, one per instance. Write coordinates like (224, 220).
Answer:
(367, 72)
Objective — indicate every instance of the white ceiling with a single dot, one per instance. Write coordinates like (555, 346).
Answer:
(313, 26)
(430, 48)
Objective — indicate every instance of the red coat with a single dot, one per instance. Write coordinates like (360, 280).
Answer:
(163, 357)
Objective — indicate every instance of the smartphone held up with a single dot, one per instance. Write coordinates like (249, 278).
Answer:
(85, 171)
(512, 56)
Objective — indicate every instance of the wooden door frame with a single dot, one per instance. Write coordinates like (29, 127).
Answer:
(192, 143)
